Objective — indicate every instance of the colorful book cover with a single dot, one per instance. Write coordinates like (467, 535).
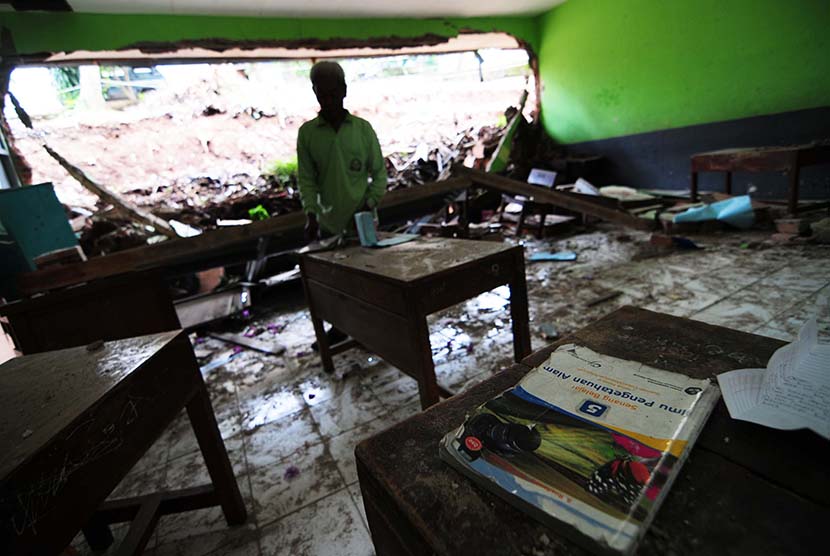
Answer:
(586, 443)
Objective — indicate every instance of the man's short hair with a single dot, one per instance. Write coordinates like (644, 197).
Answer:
(327, 68)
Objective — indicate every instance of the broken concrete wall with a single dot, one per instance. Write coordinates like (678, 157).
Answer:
(649, 83)
(34, 33)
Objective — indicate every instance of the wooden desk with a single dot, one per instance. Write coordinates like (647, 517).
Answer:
(112, 308)
(74, 422)
(745, 489)
(788, 159)
(381, 297)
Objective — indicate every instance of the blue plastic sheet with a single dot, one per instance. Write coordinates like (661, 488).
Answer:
(558, 256)
(736, 211)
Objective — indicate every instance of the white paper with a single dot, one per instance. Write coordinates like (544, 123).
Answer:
(793, 392)
(541, 177)
(585, 187)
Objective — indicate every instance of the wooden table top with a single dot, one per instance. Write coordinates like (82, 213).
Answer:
(745, 489)
(409, 262)
(754, 151)
(40, 394)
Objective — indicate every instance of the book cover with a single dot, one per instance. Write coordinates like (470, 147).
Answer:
(586, 443)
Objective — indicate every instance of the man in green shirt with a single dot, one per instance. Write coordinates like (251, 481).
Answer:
(337, 153)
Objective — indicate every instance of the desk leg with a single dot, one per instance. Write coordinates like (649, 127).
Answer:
(518, 310)
(693, 186)
(98, 534)
(216, 457)
(323, 347)
(728, 183)
(427, 383)
(322, 343)
(792, 202)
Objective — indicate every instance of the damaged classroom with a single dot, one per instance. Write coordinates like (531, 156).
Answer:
(528, 278)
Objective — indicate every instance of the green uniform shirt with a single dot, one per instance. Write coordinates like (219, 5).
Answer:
(334, 167)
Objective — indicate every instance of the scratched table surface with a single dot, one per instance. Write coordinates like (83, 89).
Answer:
(746, 489)
(409, 262)
(41, 393)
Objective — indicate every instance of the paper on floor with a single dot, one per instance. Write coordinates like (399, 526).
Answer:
(793, 392)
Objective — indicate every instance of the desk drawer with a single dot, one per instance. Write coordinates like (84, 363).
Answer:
(382, 332)
(448, 288)
(375, 291)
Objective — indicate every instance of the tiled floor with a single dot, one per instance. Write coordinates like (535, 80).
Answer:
(291, 430)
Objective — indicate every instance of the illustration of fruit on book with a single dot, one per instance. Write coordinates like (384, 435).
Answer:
(586, 442)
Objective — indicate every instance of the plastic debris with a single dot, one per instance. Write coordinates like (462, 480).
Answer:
(259, 212)
(585, 187)
(561, 256)
(736, 212)
(548, 331)
(252, 331)
(27, 433)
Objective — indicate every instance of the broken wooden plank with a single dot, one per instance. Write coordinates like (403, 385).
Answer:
(113, 198)
(603, 298)
(501, 156)
(250, 343)
(557, 198)
(213, 244)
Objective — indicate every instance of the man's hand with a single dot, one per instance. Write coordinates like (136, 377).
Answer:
(312, 228)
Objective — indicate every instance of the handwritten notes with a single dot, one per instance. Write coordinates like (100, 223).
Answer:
(793, 392)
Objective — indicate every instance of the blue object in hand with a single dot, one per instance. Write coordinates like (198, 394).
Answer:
(365, 222)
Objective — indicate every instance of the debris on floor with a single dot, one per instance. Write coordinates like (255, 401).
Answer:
(736, 212)
(548, 256)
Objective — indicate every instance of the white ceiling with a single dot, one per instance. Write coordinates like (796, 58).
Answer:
(320, 8)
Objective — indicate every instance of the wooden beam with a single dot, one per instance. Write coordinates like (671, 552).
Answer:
(557, 198)
(209, 244)
(41, 5)
(121, 204)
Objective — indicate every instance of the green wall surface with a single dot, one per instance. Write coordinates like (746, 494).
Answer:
(62, 32)
(617, 67)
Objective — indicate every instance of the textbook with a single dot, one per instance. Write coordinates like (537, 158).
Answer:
(585, 443)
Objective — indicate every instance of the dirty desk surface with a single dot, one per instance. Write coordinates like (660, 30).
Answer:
(745, 489)
(412, 261)
(41, 393)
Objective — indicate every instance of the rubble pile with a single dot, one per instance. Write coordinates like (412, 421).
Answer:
(212, 201)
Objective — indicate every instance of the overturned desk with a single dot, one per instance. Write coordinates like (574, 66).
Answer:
(72, 424)
(745, 489)
(381, 297)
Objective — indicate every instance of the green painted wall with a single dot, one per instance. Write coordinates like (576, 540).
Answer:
(41, 32)
(617, 67)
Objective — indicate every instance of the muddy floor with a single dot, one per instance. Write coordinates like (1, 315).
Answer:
(291, 429)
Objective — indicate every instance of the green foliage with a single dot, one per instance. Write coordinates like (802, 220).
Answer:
(68, 81)
(259, 212)
(283, 170)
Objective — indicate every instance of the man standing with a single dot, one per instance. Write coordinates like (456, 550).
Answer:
(337, 153)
